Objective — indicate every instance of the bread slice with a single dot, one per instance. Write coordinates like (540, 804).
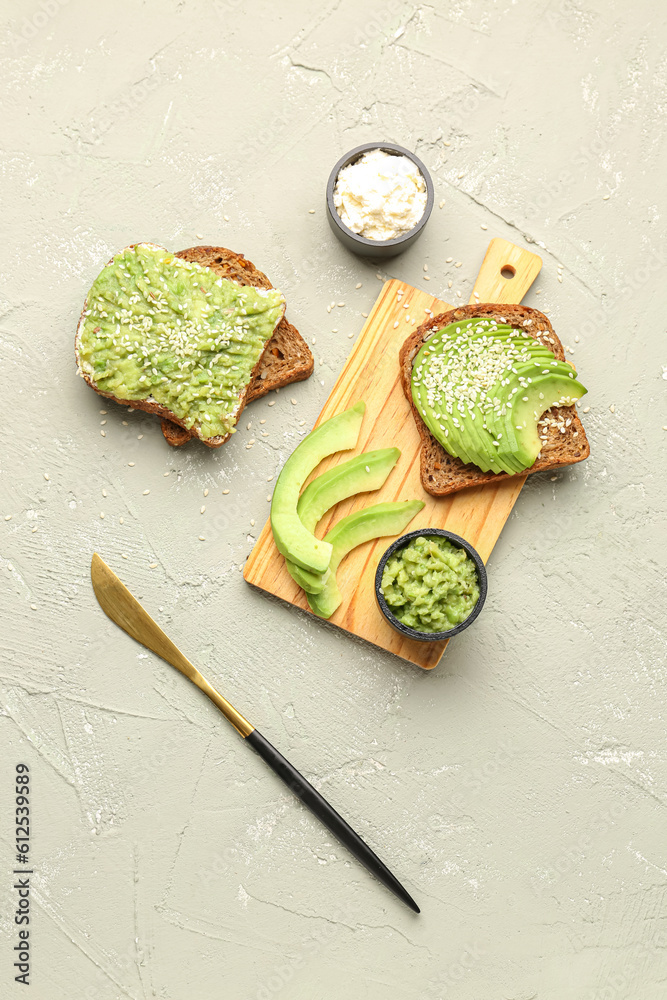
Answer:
(561, 429)
(286, 358)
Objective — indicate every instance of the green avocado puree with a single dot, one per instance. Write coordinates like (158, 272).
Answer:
(160, 327)
(430, 584)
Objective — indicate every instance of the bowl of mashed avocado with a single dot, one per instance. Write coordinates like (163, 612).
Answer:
(430, 584)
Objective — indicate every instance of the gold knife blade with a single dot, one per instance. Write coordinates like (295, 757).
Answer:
(125, 611)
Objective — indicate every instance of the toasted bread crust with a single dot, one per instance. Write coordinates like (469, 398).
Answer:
(284, 342)
(442, 474)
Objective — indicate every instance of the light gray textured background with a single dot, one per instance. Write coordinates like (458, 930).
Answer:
(519, 788)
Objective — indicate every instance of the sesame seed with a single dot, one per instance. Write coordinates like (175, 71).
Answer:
(103, 412)
(139, 437)
(612, 408)
(449, 284)
(263, 421)
(225, 492)
(152, 565)
(146, 492)
(226, 218)
(460, 176)
(335, 330)
(483, 226)
(268, 499)
(121, 520)
(199, 236)
(576, 339)
(379, 277)
(605, 197)
(395, 324)
(426, 277)
(554, 478)
(269, 479)
(201, 538)
(368, 468)
(365, 315)
(350, 336)
(123, 556)
(311, 211)
(102, 514)
(340, 305)
(426, 267)
(272, 403)
(358, 285)
(252, 523)
(321, 361)
(441, 204)
(205, 493)
(458, 263)
(248, 426)
(165, 474)
(131, 465)
(33, 607)
(449, 260)
(8, 517)
(102, 423)
(103, 433)
(313, 341)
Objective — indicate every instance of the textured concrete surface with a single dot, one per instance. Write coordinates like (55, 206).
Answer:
(518, 789)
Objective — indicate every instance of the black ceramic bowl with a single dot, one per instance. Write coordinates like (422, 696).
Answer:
(361, 244)
(412, 633)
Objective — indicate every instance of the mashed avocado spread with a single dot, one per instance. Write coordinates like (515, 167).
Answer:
(430, 584)
(160, 327)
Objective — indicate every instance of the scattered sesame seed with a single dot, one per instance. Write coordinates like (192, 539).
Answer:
(152, 565)
(664, 427)
(449, 284)
(263, 421)
(449, 260)
(268, 499)
(426, 277)
(460, 176)
(458, 294)
(328, 309)
(539, 291)
(269, 479)
(123, 556)
(612, 408)
(605, 197)
(365, 315)
(102, 515)
(125, 423)
(395, 324)
(350, 336)
(205, 493)
(225, 492)
(576, 339)
(199, 236)
(248, 446)
(358, 285)
(8, 517)
(311, 211)
(379, 277)
(131, 465)
(226, 218)
(554, 478)
(335, 330)
(165, 474)
(560, 278)
(103, 433)
(458, 264)
(368, 468)
(313, 341)
(426, 267)
(146, 492)
(340, 305)
(483, 226)
(121, 520)
(272, 403)
(103, 412)
(248, 426)
(446, 143)
(139, 437)
(102, 423)
(201, 538)
(252, 523)
(441, 204)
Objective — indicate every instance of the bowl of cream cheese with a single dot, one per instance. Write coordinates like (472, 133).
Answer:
(379, 199)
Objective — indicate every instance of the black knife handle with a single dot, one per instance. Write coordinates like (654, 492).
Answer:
(328, 815)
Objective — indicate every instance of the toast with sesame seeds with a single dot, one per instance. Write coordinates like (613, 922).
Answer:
(286, 358)
(562, 433)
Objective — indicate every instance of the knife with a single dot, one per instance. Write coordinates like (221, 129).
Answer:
(122, 608)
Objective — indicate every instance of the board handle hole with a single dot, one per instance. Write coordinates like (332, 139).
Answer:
(508, 271)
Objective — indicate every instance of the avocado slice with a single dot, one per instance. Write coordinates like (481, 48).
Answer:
(291, 537)
(514, 390)
(361, 474)
(355, 529)
(523, 418)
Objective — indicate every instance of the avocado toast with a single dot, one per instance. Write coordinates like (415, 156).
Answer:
(562, 439)
(174, 336)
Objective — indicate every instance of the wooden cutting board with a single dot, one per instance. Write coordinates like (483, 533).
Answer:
(371, 373)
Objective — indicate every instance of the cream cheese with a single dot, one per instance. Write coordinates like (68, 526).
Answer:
(381, 195)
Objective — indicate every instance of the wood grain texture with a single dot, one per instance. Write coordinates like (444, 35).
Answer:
(371, 373)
